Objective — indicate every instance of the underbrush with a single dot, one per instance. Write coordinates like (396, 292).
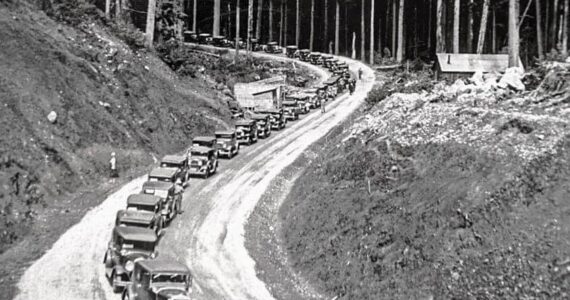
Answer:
(382, 221)
(400, 82)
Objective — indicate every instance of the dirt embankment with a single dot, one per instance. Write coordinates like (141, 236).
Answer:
(105, 98)
(423, 200)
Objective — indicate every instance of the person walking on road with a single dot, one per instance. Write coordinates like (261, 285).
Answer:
(178, 192)
(114, 173)
(323, 108)
(360, 74)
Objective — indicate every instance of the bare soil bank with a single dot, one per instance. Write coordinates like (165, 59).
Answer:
(422, 200)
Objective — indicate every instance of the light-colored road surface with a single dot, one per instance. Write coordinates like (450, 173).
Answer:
(208, 236)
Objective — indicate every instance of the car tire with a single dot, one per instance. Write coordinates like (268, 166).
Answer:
(116, 289)
(107, 260)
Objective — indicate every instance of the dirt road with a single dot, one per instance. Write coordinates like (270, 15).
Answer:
(208, 236)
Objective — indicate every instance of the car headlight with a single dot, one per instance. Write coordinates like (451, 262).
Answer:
(129, 266)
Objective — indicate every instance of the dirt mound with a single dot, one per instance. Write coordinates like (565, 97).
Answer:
(104, 98)
(420, 199)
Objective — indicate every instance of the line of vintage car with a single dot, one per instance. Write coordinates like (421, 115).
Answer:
(131, 262)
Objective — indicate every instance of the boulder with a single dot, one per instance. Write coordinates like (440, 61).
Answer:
(52, 117)
(512, 79)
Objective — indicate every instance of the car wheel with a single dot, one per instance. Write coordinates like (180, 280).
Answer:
(107, 260)
(116, 288)
(207, 174)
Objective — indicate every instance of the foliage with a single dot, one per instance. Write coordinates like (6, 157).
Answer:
(127, 32)
(73, 12)
(402, 82)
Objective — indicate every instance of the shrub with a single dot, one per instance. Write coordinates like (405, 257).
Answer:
(128, 33)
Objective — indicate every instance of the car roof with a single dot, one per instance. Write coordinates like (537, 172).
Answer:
(269, 110)
(305, 50)
(205, 34)
(142, 199)
(163, 265)
(219, 36)
(136, 234)
(173, 159)
(158, 185)
(225, 132)
(201, 149)
(289, 102)
(316, 53)
(245, 122)
(272, 43)
(143, 217)
(163, 172)
(292, 47)
(204, 139)
(258, 116)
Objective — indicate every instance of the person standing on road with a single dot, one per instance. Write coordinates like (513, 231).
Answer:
(323, 107)
(113, 167)
(359, 73)
(178, 192)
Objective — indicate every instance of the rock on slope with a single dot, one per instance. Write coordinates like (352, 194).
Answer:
(421, 199)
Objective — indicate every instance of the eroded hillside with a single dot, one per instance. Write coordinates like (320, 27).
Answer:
(457, 193)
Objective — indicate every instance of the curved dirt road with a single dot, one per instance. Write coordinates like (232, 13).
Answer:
(208, 236)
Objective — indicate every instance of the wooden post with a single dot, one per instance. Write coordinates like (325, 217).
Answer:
(150, 19)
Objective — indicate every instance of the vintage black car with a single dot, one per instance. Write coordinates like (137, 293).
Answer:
(291, 51)
(314, 97)
(302, 101)
(142, 211)
(272, 47)
(190, 36)
(206, 141)
(171, 199)
(159, 279)
(276, 117)
(291, 110)
(315, 58)
(164, 174)
(246, 131)
(179, 162)
(205, 39)
(203, 161)
(128, 245)
(304, 54)
(228, 145)
(263, 125)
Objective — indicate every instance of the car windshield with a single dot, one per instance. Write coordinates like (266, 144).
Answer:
(243, 128)
(224, 137)
(159, 193)
(157, 178)
(199, 155)
(175, 278)
(129, 245)
(138, 207)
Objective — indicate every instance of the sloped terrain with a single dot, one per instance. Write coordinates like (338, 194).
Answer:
(450, 194)
(106, 97)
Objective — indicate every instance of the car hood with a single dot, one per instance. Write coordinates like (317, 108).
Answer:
(171, 293)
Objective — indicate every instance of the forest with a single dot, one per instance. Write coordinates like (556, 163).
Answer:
(374, 31)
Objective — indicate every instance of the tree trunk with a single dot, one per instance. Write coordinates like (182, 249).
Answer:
(286, 21)
(312, 37)
(259, 21)
(539, 30)
(249, 27)
(565, 29)
(108, 9)
(394, 26)
(238, 22)
(483, 27)
(194, 14)
(363, 31)
(470, 27)
(554, 25)
(216, 26)
(353, 56)
(337, 28)
(372, 32)
(400, 51)
(456, 11)
(270, 20)
(546, 24)
(560, 30)
(297, 25)
(326, 29)
(281, 22)
(440, 40)
(117, 9)
(513, 34)
(429, 25)
(494, 33)
(150, 19)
